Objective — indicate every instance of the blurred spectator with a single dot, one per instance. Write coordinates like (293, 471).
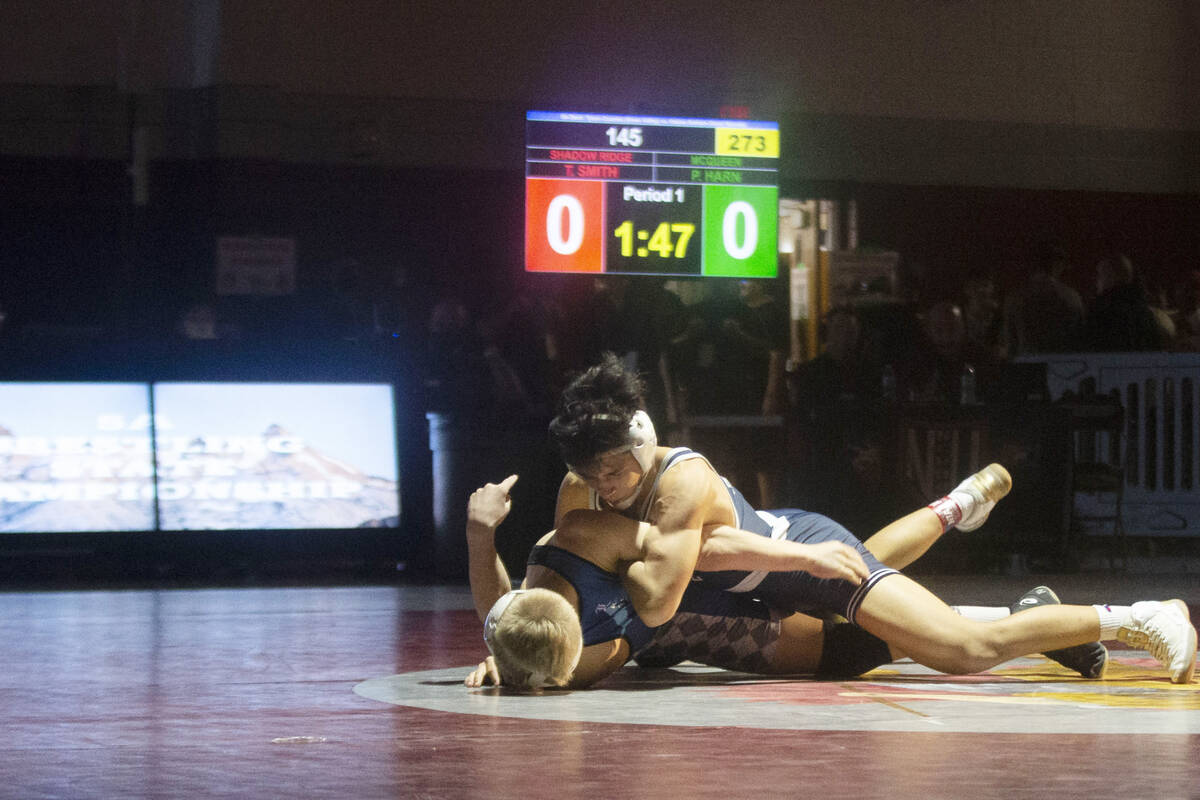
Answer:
(1164, 315)
(837, 429)
(757, 342)
(467, 373)
(723, 357)
(946, 367)
(933, 372)
(842, 372)
(983, 317)
(1120, 319)
(636, 318)
(1045, 315)
(695, 364)
(1187, 312)
(527, 330)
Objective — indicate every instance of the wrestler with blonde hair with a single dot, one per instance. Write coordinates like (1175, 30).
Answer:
(577, 569)
(534, 635)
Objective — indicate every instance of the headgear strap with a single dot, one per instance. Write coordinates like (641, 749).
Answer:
(641, 439)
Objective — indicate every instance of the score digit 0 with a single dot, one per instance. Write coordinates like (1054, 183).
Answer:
(568, 206)
(562, 226)
(741, 228)
(744, 246)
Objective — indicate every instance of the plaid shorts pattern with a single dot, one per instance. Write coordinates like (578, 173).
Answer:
(740, 644)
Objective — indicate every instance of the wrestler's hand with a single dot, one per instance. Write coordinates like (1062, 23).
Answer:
(485, 674)
(490, 503)
(837, 560)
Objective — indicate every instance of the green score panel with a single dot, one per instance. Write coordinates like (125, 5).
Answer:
(651, 229)
(741, 231)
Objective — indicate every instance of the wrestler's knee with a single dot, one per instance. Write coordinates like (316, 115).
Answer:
(977, 648)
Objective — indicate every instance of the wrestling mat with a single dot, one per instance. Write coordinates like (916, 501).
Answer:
(1029, 695)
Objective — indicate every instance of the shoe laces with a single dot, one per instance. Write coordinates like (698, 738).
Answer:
(1154, 635)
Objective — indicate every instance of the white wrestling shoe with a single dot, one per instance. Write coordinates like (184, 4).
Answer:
(982, 490)
(1166, 631)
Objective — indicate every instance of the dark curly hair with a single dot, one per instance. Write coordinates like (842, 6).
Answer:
(595, 409)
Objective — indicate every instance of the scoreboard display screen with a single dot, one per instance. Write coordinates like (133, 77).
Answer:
(635, 195)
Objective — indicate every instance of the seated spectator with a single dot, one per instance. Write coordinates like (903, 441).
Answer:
(1045, 315)
(841, 372)
(837, 429)
(935, 370)
(983, 317)
(1187, 313)
(1121, 319)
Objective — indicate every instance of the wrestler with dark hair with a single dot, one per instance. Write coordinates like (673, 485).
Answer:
(688, 517)
(572, 622)
(685, 505)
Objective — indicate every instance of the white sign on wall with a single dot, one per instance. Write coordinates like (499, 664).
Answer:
(856, 275)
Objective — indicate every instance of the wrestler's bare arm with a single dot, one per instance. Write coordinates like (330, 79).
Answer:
(486, 509)
(727, 548)
(671, 542)
(598, 661)
(687, 498)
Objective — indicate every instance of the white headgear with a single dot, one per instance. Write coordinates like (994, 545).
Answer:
(640, 440)
(497, 611)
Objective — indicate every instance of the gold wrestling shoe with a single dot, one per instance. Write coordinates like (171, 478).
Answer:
(1166, 631)
(984, 488)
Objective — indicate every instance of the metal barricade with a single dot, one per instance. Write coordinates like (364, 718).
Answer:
(1160, 393)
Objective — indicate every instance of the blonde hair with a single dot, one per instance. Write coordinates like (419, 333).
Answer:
(535, 638)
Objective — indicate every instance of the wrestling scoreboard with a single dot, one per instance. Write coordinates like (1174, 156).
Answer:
(638, 195)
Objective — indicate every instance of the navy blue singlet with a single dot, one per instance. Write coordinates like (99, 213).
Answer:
(605, 610)
(784, 591)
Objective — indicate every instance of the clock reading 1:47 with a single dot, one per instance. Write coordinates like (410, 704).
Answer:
(653, 229)
(669, 239)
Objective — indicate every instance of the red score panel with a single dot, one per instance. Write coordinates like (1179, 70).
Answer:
(564, 225)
